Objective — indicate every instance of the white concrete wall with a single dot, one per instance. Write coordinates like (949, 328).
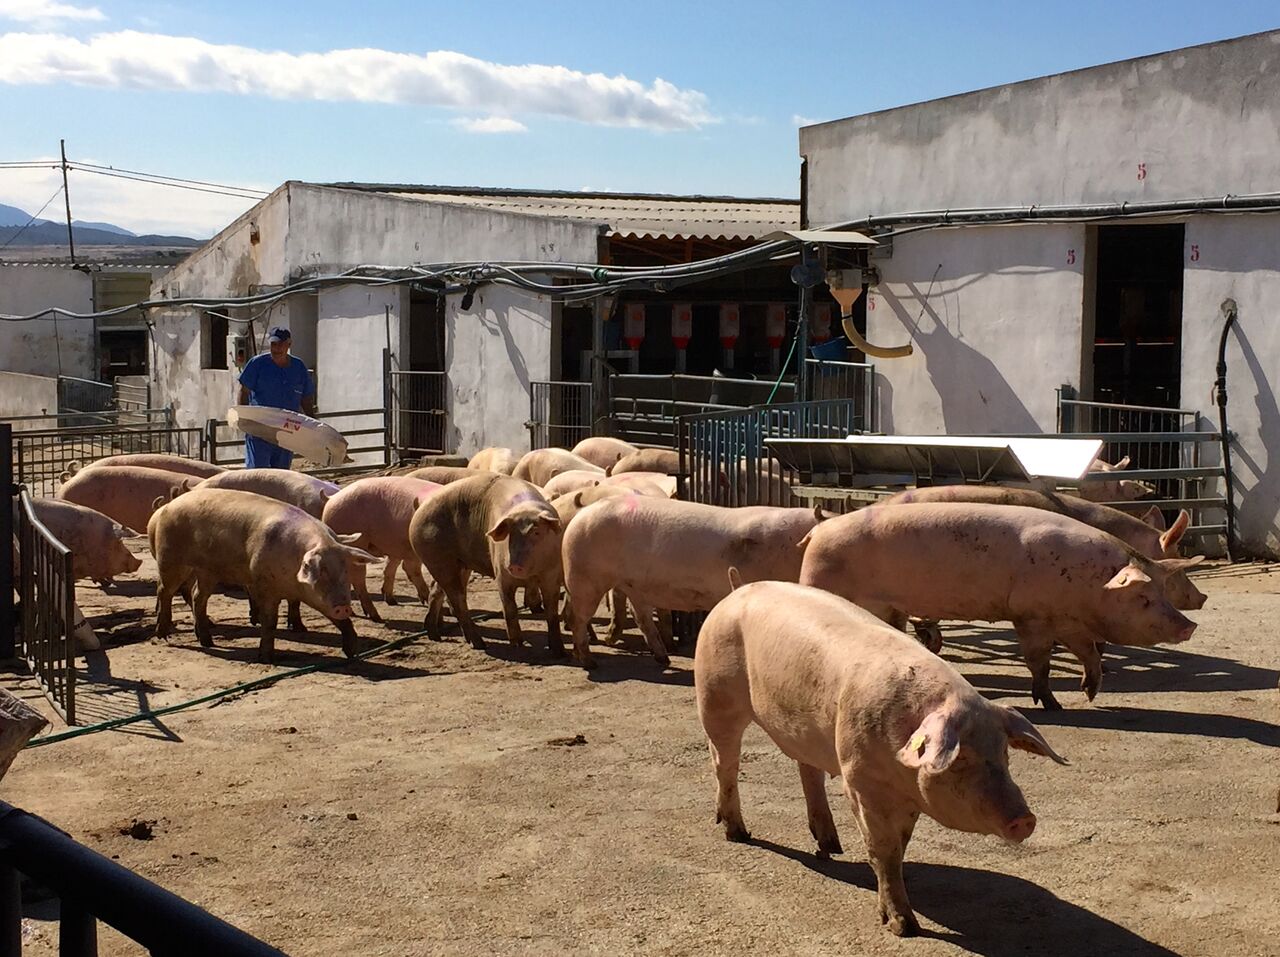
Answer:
(1203, 121)
(493, 351)
(30, 346)
(196, 394)
(994, 315)
(22, 394)
(1237, 258)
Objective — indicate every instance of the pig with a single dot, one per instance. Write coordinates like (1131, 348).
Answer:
(96, 541)
(570, 481)
(275, 550)
(1140, 534)
(444, 474)
(843, 694)
(151, 460)
(1056, 579)
(495, 460)
(665, 461)
(284, 485)
(664, 553)
(501, 527)
(1113, 490)
(124, 493)
(603, 450)
(541, 465)
(378, 511)
(646, 483)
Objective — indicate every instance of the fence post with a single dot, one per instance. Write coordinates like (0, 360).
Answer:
(7, 623)
(387, 416)
(211, 441)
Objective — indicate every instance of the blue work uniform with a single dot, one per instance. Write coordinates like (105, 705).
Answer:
(276, 387)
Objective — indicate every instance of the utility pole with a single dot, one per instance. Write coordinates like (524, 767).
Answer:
(66, 195)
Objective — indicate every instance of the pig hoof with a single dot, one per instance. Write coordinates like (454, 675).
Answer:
(556, 651)
(903, 925)
(828, 847)
(297, 627)
(737, 835)
(589, 663)
(664, 661)
(390, 599)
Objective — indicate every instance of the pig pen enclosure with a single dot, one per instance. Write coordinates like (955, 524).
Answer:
(436, 799)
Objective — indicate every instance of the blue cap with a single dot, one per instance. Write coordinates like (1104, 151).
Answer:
(279, 334)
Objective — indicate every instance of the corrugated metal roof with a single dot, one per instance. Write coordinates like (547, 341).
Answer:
(638, 215)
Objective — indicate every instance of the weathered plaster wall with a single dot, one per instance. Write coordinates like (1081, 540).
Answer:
(30, 346)
(22, 394)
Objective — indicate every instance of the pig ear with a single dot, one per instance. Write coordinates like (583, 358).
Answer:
(1025, 736)
(932, 746)
(1155, 518)
(735, 578)
(577, 499)
(158, 501)
(65, 477)
(308, 573)
(609, 470)
(359, 556)
(349, 539)
(1169, 540)
(120, 532)
(1172, 565)
(551, 519)
(500, 531)
(1121, 465)
(1129, 575)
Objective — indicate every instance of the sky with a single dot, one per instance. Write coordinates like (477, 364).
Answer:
(653, 96)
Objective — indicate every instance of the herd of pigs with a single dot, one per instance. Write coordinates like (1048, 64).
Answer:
(806, 634)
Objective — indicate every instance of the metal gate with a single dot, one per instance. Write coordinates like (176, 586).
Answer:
(644, 409)
(84, 395)
(417, 414)
(559, 414)
(364, 429)
(46, 586)
(47, 445)
(1164, 450)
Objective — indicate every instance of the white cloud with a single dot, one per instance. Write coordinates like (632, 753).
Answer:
(46, 12)
(140, 207)
(490, 124)
(798, 120)
(149, 61)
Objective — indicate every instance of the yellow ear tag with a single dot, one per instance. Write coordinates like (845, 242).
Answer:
(917, 741)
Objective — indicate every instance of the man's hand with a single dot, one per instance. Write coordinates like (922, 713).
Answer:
(309, 405)
(244, 396)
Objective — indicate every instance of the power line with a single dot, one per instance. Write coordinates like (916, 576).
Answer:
(154, 182)
(175, 179)
(15, 236)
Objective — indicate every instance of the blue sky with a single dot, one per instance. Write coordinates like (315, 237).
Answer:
(738, 79)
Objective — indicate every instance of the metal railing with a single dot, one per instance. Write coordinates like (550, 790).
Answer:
(131, 394)
(844, 380)
(644, 409)
(723, 458)
(84, 395)
(42, 455)
(91, 888)
(559, 414)
(364, 429)
(417, 414)
(47, 588)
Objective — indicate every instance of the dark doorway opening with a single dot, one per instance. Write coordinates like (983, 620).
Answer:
(123, 352)
(1137, 347)
(426, 332)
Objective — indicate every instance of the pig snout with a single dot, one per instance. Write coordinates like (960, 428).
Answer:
(1184, 632)
(1020, 828)
(341, 612)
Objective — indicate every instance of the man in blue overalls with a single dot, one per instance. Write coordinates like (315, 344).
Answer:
(278, 380)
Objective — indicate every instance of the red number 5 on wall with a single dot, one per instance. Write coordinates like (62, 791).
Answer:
(1071, 257)
(1195, 252)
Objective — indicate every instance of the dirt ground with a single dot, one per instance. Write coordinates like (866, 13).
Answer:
(440, 800)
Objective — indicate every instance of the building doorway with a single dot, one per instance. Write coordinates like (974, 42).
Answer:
(1137, 338)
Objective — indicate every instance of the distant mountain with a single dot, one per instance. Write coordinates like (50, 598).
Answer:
(46, 232)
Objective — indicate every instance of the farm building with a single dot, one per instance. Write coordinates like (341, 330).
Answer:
(34, 355)
(1112, 288)
(478, 355)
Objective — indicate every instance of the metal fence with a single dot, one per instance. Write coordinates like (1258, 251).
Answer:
(131, 393)
(364, 429)
(559, 414)
(723, 458)
(91, 888)
(46, 586)
(417, 414)
(845, 380)
(644, 409)
(1164, 450)
(83, 395)
(42, 454)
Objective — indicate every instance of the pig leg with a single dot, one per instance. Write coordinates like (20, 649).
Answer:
(644, 618)
(454, 583)
(585, 600)
(1036, 640)
(821, 824)
(172, 579)
(928, 633)
(1088, 652)
(886, 832)
(510, 610)
(724, 721)
(268, 617)
(551, 612)
(360, 582)
(200, 610)
(296, 623)
(435, 611)
(350, 640)
(618, 624)
(533, 598)
(666, 629)
(413, 569)
(389, 580)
